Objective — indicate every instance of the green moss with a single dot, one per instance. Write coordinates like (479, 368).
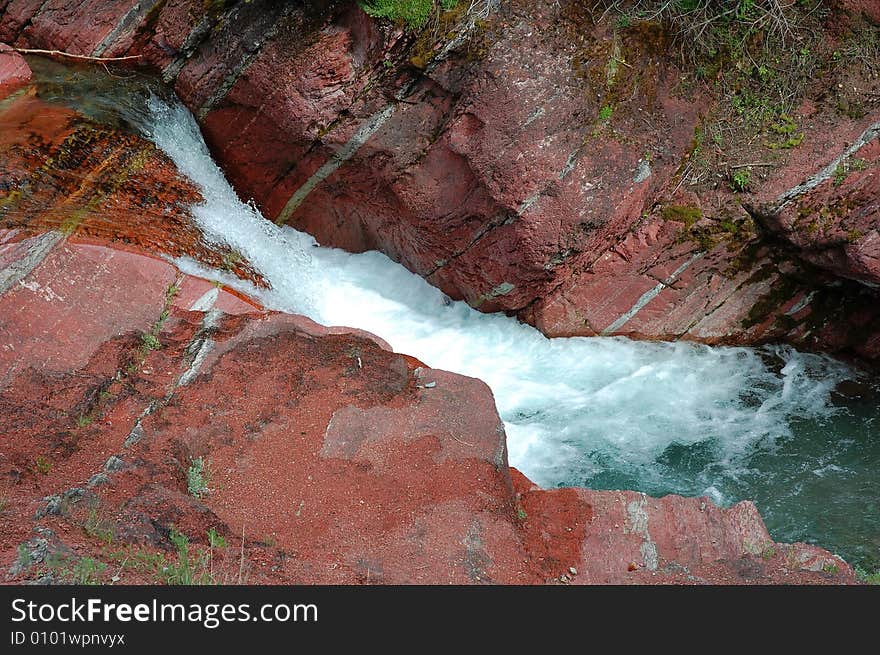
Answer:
(412, 13)
(687, 214)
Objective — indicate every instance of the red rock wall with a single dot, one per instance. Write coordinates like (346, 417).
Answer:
(488, 169)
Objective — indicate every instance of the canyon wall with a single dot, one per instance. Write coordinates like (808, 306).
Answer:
(533, 158)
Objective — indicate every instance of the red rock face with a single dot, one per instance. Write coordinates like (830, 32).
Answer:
(866, 7)
(836, 224)
(14, 70)
(59, 171)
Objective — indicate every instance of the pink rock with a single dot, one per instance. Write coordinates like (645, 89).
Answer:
(14, 70)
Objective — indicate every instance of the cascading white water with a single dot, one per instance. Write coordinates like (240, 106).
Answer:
(602, 412)
(559, 398)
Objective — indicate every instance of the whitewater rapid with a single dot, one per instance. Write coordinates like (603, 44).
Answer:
(572, 407)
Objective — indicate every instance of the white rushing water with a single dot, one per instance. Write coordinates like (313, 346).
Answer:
(572, 407)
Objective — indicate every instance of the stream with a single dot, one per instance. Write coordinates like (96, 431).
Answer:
(797, 433)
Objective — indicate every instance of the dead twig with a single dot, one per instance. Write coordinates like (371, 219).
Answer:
(760, 163)
(60, 53)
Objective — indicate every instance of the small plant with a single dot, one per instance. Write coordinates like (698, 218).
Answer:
(189, 568)
(150, 341)
(741, 179)
(844, 168)
(215, 540)
(83, 420)
(197, 477)
(43, 465)
(413, 13)
(605, 113)
(83, 571)
(831, 569)
(521, 514)
(4, 503)
(170, 292)
(97, 527)
(868, 578)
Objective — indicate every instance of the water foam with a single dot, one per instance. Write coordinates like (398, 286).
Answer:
(574, 408)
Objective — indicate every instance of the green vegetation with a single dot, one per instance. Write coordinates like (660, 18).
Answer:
(759, 59)
(189, 566)
(43, 465)
(413, 13)
(231, 260)
(741, 179)
(72, 570)
(708, 233)
(83, 420)
(215, 540)
(150, 341)
(521, 514)
(686, 214)
(846, 167)
(854, 235)
(868, 578)
(831, 569)
(197, 477)
(97, 527)
(605, 113)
